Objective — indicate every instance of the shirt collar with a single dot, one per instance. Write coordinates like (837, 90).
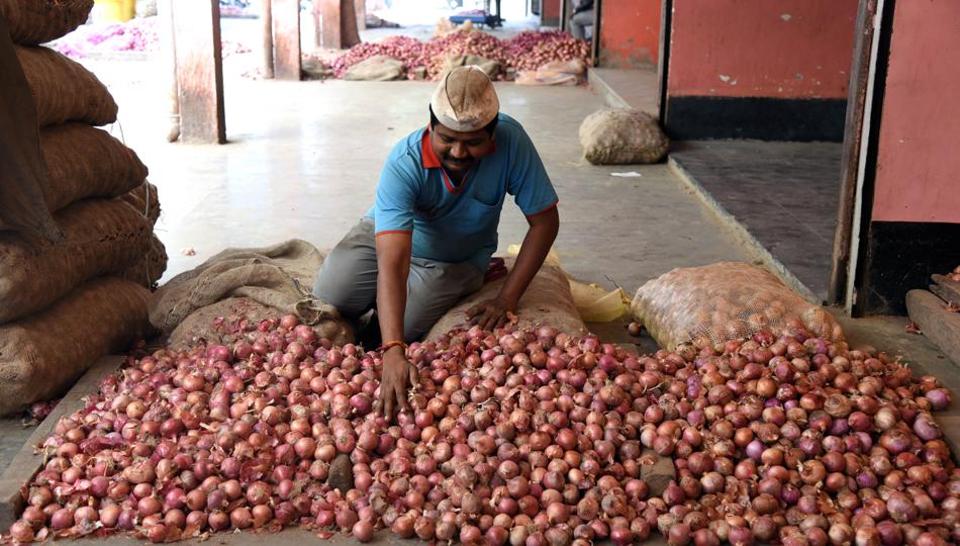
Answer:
(429, 160)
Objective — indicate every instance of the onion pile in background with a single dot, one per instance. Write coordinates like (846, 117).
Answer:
(527, 50)
(532, 438)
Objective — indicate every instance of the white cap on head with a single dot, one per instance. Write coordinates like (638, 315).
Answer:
(465, 101)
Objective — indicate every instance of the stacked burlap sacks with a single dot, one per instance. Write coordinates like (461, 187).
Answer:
(66, 304)
(243, 286)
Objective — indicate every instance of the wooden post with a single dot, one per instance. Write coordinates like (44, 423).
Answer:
(196, 31)
(286, 39)
(267, 21)
(349, 34)
(361, 7)
(852, 141)
(168, 56)
(328, 29)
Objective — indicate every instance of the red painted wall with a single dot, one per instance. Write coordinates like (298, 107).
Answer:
(918, 165)
(550, 12)
(762, 48)
(629, 33)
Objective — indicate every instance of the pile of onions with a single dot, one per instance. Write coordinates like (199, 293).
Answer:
(528, 50)
(402, 48)
(532, 438)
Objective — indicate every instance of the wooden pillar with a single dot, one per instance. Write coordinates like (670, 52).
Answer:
(349, 33)
(286, 39)
(168, 55)
(361, 11)
(196, 31)
(327, 14)
(266, 16)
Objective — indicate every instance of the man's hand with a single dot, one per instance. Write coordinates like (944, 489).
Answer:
(398, 375)
(490, 314)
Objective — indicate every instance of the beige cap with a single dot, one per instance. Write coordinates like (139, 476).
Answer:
(465, 101)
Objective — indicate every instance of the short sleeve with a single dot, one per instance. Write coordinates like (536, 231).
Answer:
(528, 181)
(396, 193)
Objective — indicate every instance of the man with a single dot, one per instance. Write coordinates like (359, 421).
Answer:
(581, 19)
(427, 241)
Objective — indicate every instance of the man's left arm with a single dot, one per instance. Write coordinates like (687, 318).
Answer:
(536, 245)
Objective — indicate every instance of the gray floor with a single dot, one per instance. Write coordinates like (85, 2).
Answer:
(784, 193)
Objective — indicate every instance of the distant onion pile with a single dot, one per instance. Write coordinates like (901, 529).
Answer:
(532, 438)
(526, 51)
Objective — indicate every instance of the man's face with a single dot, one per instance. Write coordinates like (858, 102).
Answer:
(458, 152)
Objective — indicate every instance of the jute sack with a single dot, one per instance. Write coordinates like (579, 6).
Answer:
(34, 22)
(84, 161)
(42, 355)
(144, 198)
(278, 277)
(547, 302)
(101, 237)
(217, 323)
(150, 267)
(379, 68)
(622, 137)
(63, 90)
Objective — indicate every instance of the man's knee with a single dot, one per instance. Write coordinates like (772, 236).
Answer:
(347, 282)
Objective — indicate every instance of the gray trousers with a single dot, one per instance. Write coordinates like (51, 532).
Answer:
(348, 281)
(579, 23)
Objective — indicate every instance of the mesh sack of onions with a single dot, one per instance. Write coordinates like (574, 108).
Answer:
(32, 22)
(622, 137)
(722, 301)
(529, 437)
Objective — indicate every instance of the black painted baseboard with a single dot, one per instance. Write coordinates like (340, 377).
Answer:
(805, 120)
(901, 256)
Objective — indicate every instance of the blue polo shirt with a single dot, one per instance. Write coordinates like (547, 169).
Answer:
(459, 223)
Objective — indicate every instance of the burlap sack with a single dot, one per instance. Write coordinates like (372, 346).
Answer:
(64, 90)
(42, 355)
(34, 22)
(622, 137)
(101, 237)
(83, 161)
(144, 198)
(379, 68)
(278, 277)
(150, 267)
(216, 323)
(547, 302)
(22, 207)
(554, 73)
(723, 301)
(489, 66)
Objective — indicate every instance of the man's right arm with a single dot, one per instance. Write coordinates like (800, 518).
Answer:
(393, 268)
